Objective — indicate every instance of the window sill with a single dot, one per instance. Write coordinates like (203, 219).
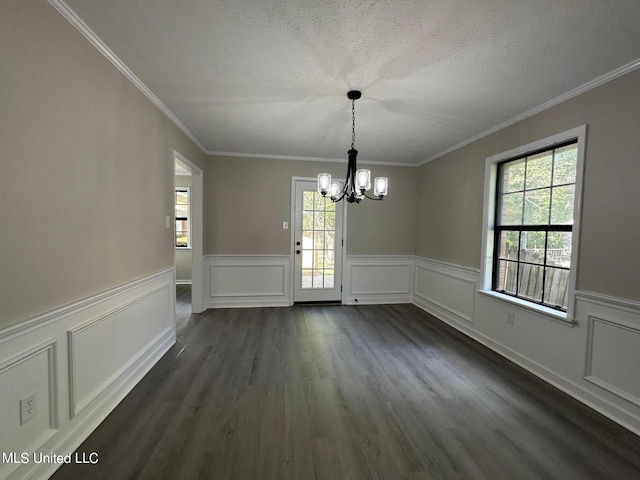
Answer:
(183, 248)
(549, 313)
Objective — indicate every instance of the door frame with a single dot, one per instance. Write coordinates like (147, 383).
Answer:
(197, 237)
(292, 239)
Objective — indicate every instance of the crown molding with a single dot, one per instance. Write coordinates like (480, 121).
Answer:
(305, 159)
(607, 77)
(90, 35)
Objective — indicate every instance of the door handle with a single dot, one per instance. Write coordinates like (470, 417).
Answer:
(297, 243)
(297, 252)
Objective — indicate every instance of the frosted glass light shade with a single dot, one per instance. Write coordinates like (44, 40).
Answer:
(380, 185)
(324, 183)
(363, 179)
(336, 188)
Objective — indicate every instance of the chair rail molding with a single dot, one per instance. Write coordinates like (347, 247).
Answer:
(80, 361)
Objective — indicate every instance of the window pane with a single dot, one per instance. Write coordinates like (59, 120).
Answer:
(559, 249)
(329, 240)
(307, 220)
(319, 201)
(507, 275)
(328, 278)
(317, 279)
(307, 200)
(329, 256)
(556, 287)
(330, 221)
(318, 220)
(307, 240)
(530, 282)
(513, 176)
(330, 206)
(182, 211)
(307, 278)
(539, 170)
(318, 240)
(532, 247)
(562, 205)
(536, 207)
(182, 198)
(511, 211)
(182, 233)
(509, 245)
(318, 259)
(307, 258)
(565, 161)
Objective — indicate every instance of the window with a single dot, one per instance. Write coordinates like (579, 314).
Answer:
(183, 220)
(532, 215)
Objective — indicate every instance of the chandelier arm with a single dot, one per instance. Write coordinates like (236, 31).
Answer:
(372, 198)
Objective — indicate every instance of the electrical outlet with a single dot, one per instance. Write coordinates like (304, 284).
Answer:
(511, 318)
(28, 408)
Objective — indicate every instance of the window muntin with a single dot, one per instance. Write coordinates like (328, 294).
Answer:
(183, 221)
(533, 225)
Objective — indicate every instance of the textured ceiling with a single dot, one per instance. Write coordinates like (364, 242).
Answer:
(270, 77)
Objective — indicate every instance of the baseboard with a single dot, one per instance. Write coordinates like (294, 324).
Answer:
(80, 361)
(534, 343)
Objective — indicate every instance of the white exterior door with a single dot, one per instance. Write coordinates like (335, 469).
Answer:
(317, 245)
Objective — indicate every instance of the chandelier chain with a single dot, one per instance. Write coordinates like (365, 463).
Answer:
(353, 124)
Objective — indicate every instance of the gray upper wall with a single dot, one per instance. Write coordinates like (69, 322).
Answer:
(450, 191)
(247, 199)
(87, 168)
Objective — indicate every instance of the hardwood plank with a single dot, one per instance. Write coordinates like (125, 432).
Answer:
(358, 392)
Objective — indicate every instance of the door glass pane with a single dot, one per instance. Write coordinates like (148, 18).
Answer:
(307, 201)
(318, 241)
(306, 278)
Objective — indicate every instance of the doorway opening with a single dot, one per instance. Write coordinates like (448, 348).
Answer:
(188, 239)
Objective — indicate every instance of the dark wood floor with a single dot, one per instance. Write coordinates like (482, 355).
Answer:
(342, 392)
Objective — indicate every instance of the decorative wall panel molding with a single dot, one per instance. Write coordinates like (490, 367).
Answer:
(378, 279)
(80, 360)
(595, 359)
(247, 281)
(449, 289)
(613, 357)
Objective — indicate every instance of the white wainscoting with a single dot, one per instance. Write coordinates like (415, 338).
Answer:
(613, 344)
(247, 281)
(448, 290)
(595, 359)
(377, 279)
(80, 361)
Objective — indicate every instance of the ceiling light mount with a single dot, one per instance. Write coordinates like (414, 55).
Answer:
(357, 181)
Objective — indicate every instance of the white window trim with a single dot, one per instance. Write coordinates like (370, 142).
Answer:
(490, 177)
(188, 189)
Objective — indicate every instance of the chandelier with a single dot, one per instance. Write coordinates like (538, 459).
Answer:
(357, 182)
